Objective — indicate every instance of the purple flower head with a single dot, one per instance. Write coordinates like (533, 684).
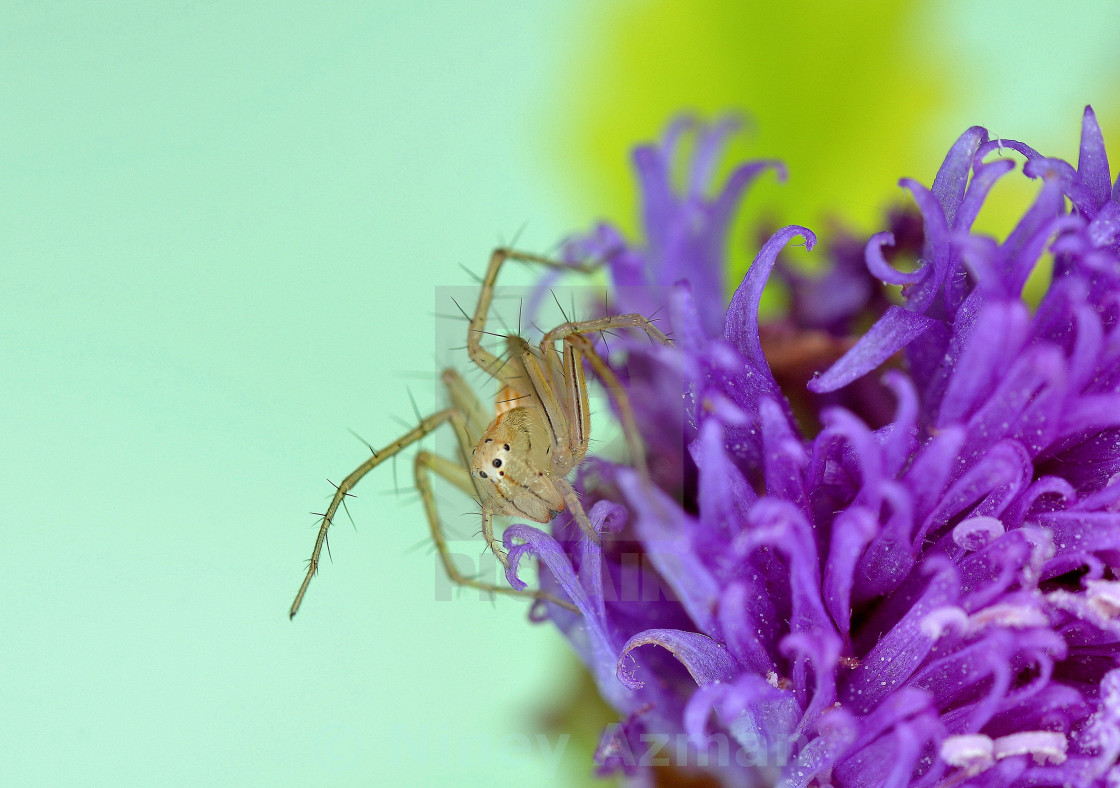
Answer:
(907, 577)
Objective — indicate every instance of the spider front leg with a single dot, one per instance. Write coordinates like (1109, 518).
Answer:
(598, 325)
(418, 432)
(464, 414)
(461, 478)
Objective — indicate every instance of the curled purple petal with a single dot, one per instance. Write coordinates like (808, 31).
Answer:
(741, 324)
(880, 268)
(706, 660)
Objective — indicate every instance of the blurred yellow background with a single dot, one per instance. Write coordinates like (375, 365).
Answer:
(221, 227)
(851, 96)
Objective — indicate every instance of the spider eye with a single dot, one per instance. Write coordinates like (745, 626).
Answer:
(482, 474)
(497, 463)
(505, 446)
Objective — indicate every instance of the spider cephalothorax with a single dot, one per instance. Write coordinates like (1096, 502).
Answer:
(512, 462)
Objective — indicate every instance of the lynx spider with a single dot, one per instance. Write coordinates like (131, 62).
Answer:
(515, 462)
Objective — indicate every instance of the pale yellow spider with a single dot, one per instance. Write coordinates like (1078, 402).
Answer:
(515, 463)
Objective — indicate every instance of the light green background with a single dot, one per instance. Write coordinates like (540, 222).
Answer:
(221, 227)
(220, 233)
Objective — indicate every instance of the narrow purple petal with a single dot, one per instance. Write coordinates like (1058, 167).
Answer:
(709, 146)
(983, 364)
(894, 331)
(900, 651)
(1105, 227)
(1092, 162)
(1063, 174)
(949, 185)
(984, 179)
(852, 532)
(665, 532)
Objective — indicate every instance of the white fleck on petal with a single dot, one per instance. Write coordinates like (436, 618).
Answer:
(976, 532)
(972, 752)
(1044, 746)
(942, 620)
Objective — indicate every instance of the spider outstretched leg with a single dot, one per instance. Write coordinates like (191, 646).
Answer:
(464, 416)
(459, 476)
(601, 324)
(483, 358)
(423, 428)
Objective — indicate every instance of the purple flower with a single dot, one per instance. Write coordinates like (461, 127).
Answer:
(907, 578)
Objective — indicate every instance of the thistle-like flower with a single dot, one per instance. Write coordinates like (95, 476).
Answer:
(906, 575)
